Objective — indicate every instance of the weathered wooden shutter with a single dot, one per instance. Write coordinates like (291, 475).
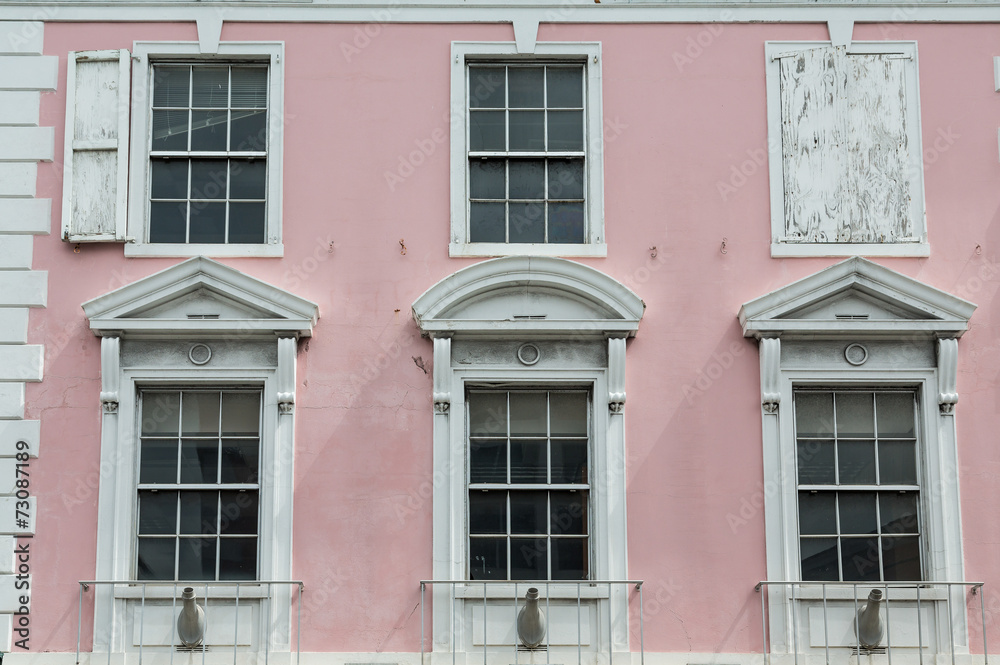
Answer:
(95, 168)
(844, 147)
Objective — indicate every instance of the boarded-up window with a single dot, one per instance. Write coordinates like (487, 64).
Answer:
(849, 147)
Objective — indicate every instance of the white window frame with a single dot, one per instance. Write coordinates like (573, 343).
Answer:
(145, 55)
(586, 53)
(780, 247)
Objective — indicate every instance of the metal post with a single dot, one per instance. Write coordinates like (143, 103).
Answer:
(484, 623)
(982, 611)
(142, 623)
(79, 623)
(548, 619)
(762, 588)
(920, 632)
(951, 627)
(857, 623)
(204, 640)
(236, 624)
(795, 629)
(642, 634)
(173, 613)
(888, 631)
(270, 609)
(453, 627)
(611, 653)
(579, 629)
(826, 628)
(422, 586)
(298, 627)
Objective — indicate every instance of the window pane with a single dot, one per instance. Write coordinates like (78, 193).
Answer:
(857, 513)
(488, 558)
(488, 461)
(169, 178)
(859, 557)
(566, 222)
(199, 461)
(237, 558)
(158, 461)
(569, 558)
(170, 131)
(487, 222)
(208, 130)
(240, 459)
(528, 558)
(248, 179)
(487, 179)
(196, 559)
(565, 179)
(527, 461)
(528, 414)
(568, 414)
(487, 130)
(568, 513)
(200, 414)
(855, 414)
(898, 512)
(208, 222)
(249, 87)
(486, 87)
(814, 414)
(856, 460)
(569, 461)
(527, 178)
(167, 221)
(199, 512)
(901, 558)
(155, 559)
(897, 462)
(816, 465)
(487, 512)
(210, 87)
(246, 223)
(817, 513)
(526, 87)
(819, 559)
(240, 414)
(527, 130)
(527, 222)
(157, 512)
(895, 415)
(528, 512)
(566, 130)
(209, 178)
(160, 413)
(565, 87)
(238, 512)
(171, 86)
(249, 131)
(488, 414)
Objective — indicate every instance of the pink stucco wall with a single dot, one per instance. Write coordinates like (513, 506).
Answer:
(677, 129)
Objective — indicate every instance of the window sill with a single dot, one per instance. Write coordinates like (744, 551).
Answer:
(211, 250)
(791, 249)
(555, 591)
(477, 249)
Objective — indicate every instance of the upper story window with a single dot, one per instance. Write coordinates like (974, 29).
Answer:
(845, 150)
(528, 484)
(526, 161)
(175, 152)
(208, 154)
(858, 485)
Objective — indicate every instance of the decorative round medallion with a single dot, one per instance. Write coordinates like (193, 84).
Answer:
(528, 354)
(200, 354)
(856, 354)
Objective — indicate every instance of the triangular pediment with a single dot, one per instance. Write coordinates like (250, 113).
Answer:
(856, 296)
(537, 295)
(201, 296)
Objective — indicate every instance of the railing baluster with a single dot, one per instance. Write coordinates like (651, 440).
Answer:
(142, 622)
(826, 628)
(267, 645)
(515, 623)
(79, 624)
(548, 617)
(982, 611)
(579, 629)
(951, 628)
(795, 630)
(642, 633)
(888, 624)
(763, 625)
(173, 613)
(920, 632)
(611, 653)
(236, 624)
(204, 640)
(857, 624)
(484, 623)
(422, 632)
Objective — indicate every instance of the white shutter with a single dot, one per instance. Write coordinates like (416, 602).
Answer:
(95, 167)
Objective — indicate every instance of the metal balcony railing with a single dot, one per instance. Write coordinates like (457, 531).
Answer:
(212, 597)
(484, 593)
(913, 598)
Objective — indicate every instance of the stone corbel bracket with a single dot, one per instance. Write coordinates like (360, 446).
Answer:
(110, 346)
(442, 374)
(286, 375)
(947, 350)
(770, 372)
(616, 374)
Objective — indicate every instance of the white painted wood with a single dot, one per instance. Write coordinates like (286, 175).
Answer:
(156, 624)
(6, 555)
(209, 25)
(19, 107)
(996, 73)
(32, 72)
(19, 144)
(15, 251)
(110, 373)
(12, 431)
(23, 288)
(25, 215)
(17, 179)
(21, 362)
(8, 518)
(11, 400)
(8, 476)
(21, 37)
(11, 596)
(13, 325)
(902, 623)
(95, 166)
(498, 629)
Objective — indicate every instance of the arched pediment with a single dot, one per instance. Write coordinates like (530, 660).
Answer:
(540, 295)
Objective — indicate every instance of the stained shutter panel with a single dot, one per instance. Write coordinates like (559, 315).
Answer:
(95, 169)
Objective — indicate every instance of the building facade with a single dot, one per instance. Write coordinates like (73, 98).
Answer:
(360, 321)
